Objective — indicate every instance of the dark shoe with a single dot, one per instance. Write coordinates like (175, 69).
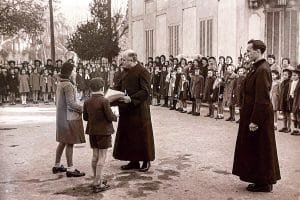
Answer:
(59, 169)
(288, 130)
(145, 167)
(228, 119)
(172, 108)
(131, 165)
(297, 133)
(260, 188)
(208, 115)
(75, 173)
(283, 130)
(196, 114)
(237, 121)
(191, 113)
(99, 188)
(183, 111)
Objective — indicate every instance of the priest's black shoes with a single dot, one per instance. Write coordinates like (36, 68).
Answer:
(260, 188)
(145, 167)
(131, 165)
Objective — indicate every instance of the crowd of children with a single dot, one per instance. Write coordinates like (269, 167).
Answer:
(37, 82)
(175, 81)
(218, 84)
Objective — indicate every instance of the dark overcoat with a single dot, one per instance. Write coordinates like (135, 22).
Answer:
(237, 90)
(134, 137)
(208, 89)
(255, 158)
(13, 82)
(296, 102)
(285, 104)
(163, 84)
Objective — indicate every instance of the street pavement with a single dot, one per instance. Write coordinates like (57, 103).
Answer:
(194, 157)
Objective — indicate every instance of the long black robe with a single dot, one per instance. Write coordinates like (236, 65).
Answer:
(255, 158)
(134, 138)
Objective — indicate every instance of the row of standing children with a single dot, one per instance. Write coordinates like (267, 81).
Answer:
(200, 80)
(285, 96)
(28, 84)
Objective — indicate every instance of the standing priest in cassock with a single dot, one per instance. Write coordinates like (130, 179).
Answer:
(134, 138)
(255, 158)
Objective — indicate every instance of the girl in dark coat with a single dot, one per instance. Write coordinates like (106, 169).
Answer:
(155, 83)
(13, 84)
(208, 92)
(34, 82)
(237, 88)
(285, 104)
(275, 94)
(295, 94)
(163, 85)
(183, 93)
(197, 90)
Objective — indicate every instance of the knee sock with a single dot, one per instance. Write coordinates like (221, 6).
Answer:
(100, 165)
(59, 150)
(69, 156)
(95, 160)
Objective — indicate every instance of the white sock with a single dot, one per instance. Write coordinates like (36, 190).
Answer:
(71, 168)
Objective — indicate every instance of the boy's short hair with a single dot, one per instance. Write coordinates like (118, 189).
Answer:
(276, 73)
(96, 84)
(288, 71)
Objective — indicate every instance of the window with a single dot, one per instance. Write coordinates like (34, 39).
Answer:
(282, 30)
(174, 40)
(149, 43)
(206, 37)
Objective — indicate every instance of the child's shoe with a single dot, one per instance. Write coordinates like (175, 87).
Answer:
(75, 173)
(283, 130)
(59, 169)
(99, 188)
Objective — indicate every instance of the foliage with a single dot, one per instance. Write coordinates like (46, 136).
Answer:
(99, 37)
(21, 15)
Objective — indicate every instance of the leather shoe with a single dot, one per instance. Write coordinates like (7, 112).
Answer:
(75, 173)
(260, 188)
(145, 167)
(131, 165)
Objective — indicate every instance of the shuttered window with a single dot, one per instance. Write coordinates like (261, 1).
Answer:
(206, 28)
(174, 40)
(149, 43)
(282, 30)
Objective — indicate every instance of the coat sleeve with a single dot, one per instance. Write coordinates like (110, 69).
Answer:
(85, 113)
(144, 92)
(263, 83)
(70, 99)
(109, 115)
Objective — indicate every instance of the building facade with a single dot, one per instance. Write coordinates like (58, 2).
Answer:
(213, 27)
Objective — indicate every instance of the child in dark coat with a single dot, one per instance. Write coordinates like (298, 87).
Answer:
(197, 89)
(295, 94)
(208, 92)
(285, 100)
(218, 92)
(13, 84)
(183, 93)
(237, 88)
(156, 86)
(99, 117)
(275, 95)
(34, 82)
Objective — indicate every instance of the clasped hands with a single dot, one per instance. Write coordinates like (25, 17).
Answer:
(253, 127)
(125, 99)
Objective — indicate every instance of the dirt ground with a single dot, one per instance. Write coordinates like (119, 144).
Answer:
(194, 158)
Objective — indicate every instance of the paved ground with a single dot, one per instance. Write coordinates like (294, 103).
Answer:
(194, 161)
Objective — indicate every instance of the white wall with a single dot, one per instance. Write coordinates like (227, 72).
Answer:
(189, 32)
(161, 35)
(137, 7)
(138, 42)
(227, 21)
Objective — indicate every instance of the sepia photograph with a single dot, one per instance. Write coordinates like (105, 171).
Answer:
(150, 99)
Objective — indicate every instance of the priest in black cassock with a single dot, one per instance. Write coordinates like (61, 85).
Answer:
(134, 138)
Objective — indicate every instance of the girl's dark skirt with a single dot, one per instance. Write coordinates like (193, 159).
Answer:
(100, 141)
